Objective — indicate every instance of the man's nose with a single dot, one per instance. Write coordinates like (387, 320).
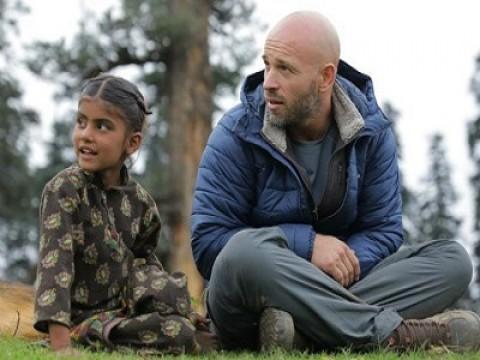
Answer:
(270, 80)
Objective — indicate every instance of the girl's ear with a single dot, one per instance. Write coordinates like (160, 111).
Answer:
(133, 143)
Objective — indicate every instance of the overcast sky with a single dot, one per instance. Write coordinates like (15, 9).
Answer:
(420, 55)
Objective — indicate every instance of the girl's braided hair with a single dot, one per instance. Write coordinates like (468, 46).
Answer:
(122, 94)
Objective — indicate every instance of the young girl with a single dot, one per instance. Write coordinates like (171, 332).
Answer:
(98, 281)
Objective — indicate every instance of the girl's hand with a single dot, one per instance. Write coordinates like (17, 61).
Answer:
(200, 322)
(59, 337)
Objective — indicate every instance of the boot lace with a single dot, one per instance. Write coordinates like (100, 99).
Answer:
(419, 334)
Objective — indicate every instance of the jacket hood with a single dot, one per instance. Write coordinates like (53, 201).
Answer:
(357, 87)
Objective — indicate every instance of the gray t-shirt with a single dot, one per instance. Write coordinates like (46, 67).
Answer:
(314, 157)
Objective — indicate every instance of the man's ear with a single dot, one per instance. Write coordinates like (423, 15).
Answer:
(133, 142)
(327, 76)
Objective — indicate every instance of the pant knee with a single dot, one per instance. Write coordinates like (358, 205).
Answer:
(457, 265)
(245, 253)
(248, 258)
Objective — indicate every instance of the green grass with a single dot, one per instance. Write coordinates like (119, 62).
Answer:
(15, 349)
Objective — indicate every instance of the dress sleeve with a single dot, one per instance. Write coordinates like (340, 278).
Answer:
(56, 270)
(149, 230)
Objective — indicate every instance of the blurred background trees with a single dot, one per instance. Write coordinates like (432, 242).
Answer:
(409, 200)
(437, 200)
(186, 55)
(474, 147)
(17, 217)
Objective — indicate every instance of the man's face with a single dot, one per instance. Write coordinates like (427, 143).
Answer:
(290, 85)
(302, 108)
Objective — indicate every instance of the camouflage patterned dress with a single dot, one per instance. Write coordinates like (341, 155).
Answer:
(97, 273)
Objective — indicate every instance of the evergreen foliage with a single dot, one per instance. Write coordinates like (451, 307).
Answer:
(17, 220)
(437, 200)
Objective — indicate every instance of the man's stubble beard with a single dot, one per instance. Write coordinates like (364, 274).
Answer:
(301, 110)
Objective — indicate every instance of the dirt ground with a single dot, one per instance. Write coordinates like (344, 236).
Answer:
(16, 311)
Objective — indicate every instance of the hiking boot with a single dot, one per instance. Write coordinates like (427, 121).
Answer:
(277, 331)
(457, 330)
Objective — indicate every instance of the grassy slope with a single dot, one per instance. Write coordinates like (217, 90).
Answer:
(16, 349)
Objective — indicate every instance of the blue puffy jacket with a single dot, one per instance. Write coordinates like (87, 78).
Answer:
(246, 180)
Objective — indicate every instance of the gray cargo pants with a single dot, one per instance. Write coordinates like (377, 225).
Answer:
(256, 270)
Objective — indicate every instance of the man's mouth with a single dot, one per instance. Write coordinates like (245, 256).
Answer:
(273, 103)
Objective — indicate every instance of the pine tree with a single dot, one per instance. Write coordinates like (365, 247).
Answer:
(437, 219)
(59, 156)
(409, 203)
(17, 220)
(474, 149)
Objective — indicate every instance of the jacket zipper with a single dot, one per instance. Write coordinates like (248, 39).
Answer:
(302, 177)
(334, 172)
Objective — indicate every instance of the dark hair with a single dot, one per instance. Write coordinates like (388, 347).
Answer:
(122, 94)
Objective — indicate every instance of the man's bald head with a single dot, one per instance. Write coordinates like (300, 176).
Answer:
(311, 33)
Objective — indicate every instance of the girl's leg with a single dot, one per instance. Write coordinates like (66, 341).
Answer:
(171, 334)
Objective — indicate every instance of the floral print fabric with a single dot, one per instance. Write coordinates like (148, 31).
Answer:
(97, 268)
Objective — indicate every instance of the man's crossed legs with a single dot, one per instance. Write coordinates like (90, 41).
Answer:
(256, 271)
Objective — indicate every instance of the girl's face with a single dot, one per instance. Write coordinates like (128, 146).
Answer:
(101, 139)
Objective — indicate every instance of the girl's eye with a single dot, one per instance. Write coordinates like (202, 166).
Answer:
(103, 126)
(81, 123)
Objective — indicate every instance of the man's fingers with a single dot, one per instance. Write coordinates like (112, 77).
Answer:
(349, 266)
(342, 274)
(335, 258)
(356, 264)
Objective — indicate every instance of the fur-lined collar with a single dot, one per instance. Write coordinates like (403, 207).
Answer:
(348, 118)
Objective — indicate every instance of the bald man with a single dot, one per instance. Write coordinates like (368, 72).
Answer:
(297, 214)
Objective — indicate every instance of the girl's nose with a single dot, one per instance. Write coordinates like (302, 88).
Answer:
(86, 133)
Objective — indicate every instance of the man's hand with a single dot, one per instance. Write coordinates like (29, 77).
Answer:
(336, 259)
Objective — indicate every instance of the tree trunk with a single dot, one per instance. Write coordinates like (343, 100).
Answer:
(189, 124)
